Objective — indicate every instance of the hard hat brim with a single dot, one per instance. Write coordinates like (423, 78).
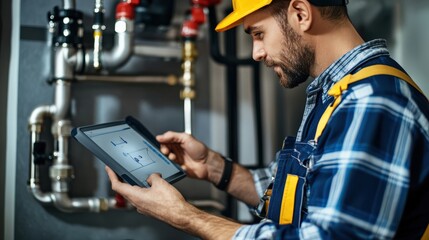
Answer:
(235, 18)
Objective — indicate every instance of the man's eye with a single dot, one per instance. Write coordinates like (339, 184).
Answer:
(258, 35)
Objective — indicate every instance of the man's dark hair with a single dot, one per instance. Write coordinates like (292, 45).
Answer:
(334, 13)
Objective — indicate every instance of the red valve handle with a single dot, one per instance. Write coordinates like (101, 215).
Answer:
(189, 29)
(206, 3)
(120, 201)
(198, 15)
(126, 9)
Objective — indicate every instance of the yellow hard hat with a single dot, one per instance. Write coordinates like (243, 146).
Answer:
(241, 8)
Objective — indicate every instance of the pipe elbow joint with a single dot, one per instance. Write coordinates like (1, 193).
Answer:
(37, 115)
(124, 45)
(44, 198)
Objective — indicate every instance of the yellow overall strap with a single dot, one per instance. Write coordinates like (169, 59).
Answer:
(426, 234)
(337, 89)
(288, 199)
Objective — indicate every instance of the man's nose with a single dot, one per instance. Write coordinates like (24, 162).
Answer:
(258, 53)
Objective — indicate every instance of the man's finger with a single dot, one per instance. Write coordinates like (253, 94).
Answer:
(153, 178)
(170, 137)
(112, 175)
(124, 189)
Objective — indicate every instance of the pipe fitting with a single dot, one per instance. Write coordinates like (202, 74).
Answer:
(36, 118)
(62, 128)
(34, 188)
(65, 204)
(63, 173)
(121, 51)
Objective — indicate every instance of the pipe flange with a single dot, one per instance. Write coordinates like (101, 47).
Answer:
(61, 172)
(62, 128)
(187, 93)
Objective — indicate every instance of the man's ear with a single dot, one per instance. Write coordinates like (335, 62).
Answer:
(300, 15)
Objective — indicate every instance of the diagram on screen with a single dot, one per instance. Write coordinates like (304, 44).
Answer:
(133, 159)
(139, 158)
(118, 141)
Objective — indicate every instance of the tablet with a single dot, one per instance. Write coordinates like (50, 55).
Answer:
(129, 149)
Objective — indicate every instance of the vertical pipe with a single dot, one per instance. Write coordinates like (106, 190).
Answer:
(232, 108)
(258, 114)
(98, 27)
(69, 4)
(188, 80)
(232, 95)
(398, 23)
(187, 104)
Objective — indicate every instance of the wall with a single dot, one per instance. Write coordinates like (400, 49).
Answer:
(157, 106)
(4, 71)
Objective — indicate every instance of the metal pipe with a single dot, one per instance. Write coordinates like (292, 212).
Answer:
(170, 79)
(69, 4)
(123, 47)
(35, 127)
(189, 53)
(66, 204)
(98, 28)
(62, 99)
(68, 59)
(168, 51)
(65, 62)
(398, 32)
(187, 103)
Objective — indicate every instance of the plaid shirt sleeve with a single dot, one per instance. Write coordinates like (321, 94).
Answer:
(365, 150)
(262, 177)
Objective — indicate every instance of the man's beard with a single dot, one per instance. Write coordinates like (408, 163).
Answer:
(296, 59)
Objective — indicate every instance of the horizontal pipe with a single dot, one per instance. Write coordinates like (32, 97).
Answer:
(172, 51)
(170, 79)
(66, 204)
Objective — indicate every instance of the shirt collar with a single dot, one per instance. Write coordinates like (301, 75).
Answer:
(346, 64)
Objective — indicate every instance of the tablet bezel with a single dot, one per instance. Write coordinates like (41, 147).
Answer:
(79, 133)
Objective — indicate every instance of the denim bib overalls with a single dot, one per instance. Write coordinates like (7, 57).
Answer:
(285, 200)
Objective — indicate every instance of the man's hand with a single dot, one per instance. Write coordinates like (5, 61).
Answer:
(161, 200)
(191, 154)
(201, 162)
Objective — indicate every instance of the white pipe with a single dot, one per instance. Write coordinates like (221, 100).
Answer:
(188, 115)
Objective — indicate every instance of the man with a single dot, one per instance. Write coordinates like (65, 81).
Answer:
(359, 166)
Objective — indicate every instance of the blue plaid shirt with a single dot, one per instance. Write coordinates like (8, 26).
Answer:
(371, 172)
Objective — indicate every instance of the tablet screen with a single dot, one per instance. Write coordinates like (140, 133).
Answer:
(132, 151)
